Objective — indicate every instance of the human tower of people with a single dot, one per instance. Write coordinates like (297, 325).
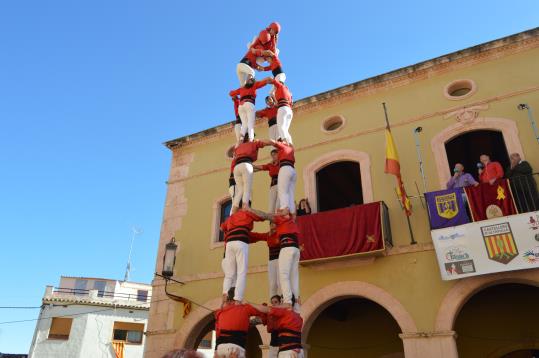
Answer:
(282, 317)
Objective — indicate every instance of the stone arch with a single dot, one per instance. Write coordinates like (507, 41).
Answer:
(309, 173)
(198, 318)
(328, 295)
(461, 292)
(507, 127)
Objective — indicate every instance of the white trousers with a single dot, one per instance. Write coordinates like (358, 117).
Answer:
(232, 191)
(237, 130)
(286, 186)
(273, 352)
(291, 354)
(224, 350)
(235, 266)
(243, 175)
(243, 71)
(284, 119)
(273, 132)
(273, 278)
(247, 115)
(289, 273)
(273, 199)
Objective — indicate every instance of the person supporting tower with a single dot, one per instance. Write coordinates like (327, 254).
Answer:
(237, 122)
(232, 325)
(286, 180)
(237, 229)
(246, 153)
(246, 108)
(284, 105)
(273, 170)
(262, 46)
(270, 113)
(289, 324)
(288, 232)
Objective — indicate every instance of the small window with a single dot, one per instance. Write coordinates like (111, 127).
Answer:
(460, 89)
(128, 332)
(333, 124)
(142, 295)
(80, 287)
(225, 207)
(60, 328)
(100, 287)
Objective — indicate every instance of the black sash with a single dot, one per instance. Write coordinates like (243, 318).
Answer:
(244, 160)
(289, 240)
(284, 163)
(292, 341)
(235, 337)
(240, 233)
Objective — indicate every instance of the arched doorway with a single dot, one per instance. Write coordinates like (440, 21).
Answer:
(204, 340)
(499, 321)
(467, 147)
(354, 327)
(338, 185)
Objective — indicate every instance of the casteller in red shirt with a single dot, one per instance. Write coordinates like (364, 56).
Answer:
(232, 323)
(237, 226)
(248, 94)
(247, 151)
(282, 94)
(285, 153)
(289, 324)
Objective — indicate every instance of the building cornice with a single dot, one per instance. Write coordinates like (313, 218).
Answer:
(440, 65)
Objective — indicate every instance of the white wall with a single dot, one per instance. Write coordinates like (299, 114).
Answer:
(91, 333)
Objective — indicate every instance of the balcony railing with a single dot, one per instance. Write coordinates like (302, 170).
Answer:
(64, 291)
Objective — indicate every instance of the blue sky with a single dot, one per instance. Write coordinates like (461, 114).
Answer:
(90, 89)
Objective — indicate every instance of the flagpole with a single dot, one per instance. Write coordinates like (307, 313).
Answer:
(412, 239)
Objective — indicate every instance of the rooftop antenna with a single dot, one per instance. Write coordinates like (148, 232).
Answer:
(136, 231)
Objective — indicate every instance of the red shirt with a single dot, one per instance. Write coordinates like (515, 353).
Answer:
(285, 152)
(248, 150)
(273, 169)
(248, 94)
(285, 225)
(241, 219)
(259, 47)
(282, 94)
(284, 318)
(275, 63)
(234, 318)
(493, 170)
(268, 112)
(257, 236)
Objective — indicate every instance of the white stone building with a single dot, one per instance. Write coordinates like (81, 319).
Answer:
(92, 318)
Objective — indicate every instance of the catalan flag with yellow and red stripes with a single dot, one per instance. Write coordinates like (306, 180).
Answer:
(393, 167)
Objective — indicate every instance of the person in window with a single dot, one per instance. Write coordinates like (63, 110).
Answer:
(522, 184)
(489, 172)
(303, 208)
(461, 179)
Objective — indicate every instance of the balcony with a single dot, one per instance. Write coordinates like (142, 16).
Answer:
(360, 231)
(504, 235)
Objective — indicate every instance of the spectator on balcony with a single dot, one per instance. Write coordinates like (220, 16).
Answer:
(489, 172)
(303, 208)
(522, 184)
(460, 178)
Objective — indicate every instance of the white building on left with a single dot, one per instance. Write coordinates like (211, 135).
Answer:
(92, 318)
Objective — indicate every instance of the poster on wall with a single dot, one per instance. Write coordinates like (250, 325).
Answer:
(506, 243)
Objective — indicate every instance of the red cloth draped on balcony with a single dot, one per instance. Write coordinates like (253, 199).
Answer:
(489, 201)
(341, 232)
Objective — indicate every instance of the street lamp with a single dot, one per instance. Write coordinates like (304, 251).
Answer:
(169, 259)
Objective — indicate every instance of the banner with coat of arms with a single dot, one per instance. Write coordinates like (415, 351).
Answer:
(488, 201)
(501, 244)
(446, 208)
